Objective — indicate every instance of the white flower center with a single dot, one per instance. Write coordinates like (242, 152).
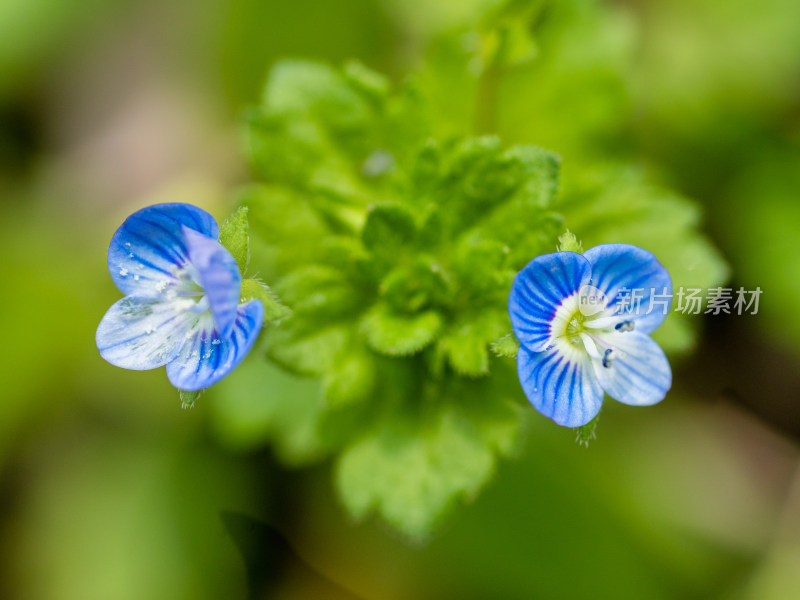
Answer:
(574, 332)
(184, 291)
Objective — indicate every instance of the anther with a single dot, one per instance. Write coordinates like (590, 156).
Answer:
(625, 326)
(608, 356)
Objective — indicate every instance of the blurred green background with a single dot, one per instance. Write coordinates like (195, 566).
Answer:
(109, 491)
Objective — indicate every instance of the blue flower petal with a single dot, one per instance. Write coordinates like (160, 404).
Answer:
(561, 386)
(206, 357)
(537, 292)
(143, 333)
(219, 277)
(639, 374)
(618, 267)
(147, 248)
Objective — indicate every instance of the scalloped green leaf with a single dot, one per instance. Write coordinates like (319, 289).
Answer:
(410, 288)
(411, 469)
(388, 228)
(482, 265)
(351, 378)
(281, 222)
(465, 344)
(412, 472)
(397, 334)
(306, 352)
(319, 294)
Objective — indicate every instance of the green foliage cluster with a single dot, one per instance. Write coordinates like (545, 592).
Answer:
(393, 234)
(395, 252)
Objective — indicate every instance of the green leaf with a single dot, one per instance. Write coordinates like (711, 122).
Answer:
(507, 346)
(323, 304)
(493, 196)
(413, 287)
(389, 227)
(539, 170)
(308, 352)
(397, 334)
(234, 234)
(282, 221)
(466, 343)
(370, 83)
(412, 470)
(252, 289)
(482, 264)
(315, 128)
(525, 223)
(476, 179)
(466, 351)
(411, 467)
(426, 168)
(314, 89)
(319, 294)
(508, 38)
(351, 378)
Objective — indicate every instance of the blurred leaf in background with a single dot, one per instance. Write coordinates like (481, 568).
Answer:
(32, 30)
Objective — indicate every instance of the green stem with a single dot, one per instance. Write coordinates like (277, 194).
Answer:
(486, 99)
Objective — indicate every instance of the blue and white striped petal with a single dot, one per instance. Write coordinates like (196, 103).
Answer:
(218, 275)
(539, 290)
(640, 374)
(206, 357)
(619, 267)
(144, 333)
(561, 386)
(149, 247)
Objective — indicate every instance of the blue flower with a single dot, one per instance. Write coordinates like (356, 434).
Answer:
(581, 336)
(181, 307)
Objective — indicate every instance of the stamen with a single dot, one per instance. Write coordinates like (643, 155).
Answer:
(608, 357)
(601, 323)
(625, 326)
(599, 341)
(590, 346)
